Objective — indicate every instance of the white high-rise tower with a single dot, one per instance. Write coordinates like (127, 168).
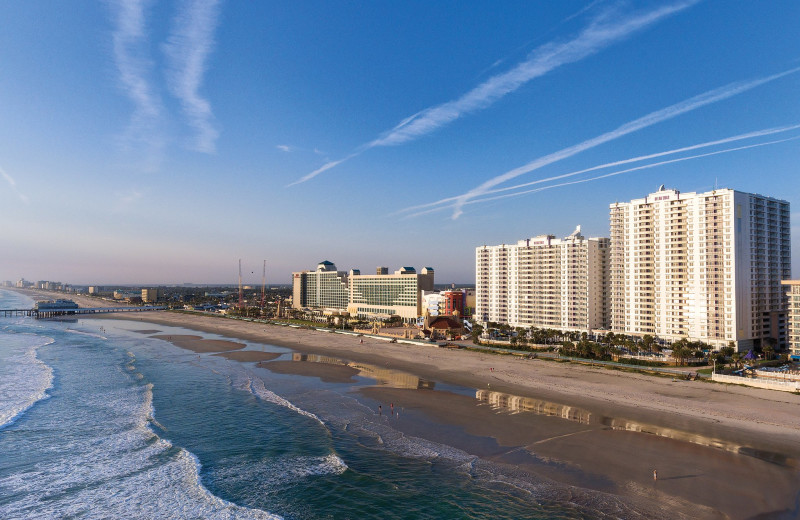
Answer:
(704, 266)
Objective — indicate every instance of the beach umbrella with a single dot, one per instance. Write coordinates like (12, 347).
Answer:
(750, 355)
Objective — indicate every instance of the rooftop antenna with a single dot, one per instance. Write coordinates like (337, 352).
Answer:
(241, 294)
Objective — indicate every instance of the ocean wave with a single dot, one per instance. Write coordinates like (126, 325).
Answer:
(272, 474)
(258, 389)
(24, 378)
(84, 333)
(98, 457)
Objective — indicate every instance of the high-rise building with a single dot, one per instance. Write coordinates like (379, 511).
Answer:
(544, 282)
(793, 318)
(323, 288)
(379, 295)
(704, 266)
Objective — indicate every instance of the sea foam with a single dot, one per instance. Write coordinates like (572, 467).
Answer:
(101, 458)
(24, 378)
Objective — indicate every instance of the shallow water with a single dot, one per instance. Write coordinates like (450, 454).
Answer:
(100, 421)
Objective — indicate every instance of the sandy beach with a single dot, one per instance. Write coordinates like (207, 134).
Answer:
(721, 451)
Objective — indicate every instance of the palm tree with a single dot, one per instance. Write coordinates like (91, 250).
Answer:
(736, 357)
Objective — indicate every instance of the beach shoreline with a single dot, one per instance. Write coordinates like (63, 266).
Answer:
(709, 441)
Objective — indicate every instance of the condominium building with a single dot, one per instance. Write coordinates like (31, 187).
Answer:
(380, 295)
(793, 318)
(544, 282)
(152, 295)
(704, 266)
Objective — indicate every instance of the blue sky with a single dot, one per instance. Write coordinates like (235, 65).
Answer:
(160, 142)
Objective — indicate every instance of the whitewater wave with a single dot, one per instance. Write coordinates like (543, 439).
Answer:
(98, 457)
(259, 390)
(84, 333)
(24, 378)
(268, 476)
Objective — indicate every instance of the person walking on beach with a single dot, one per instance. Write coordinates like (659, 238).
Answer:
(655, 474)
(380, 410)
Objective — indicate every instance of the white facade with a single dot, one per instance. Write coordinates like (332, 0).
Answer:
(544, 282)
(707, 266)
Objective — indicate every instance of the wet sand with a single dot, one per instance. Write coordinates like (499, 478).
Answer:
(200, 345)
(247, 356)
(326, 373)
(699, 430)
(697, 480)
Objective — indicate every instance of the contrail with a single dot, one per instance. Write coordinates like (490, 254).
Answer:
(611, 174)
(187, 50)
(129, 43)
(740, 137)
(653, 118)
(599, 34)
(13, 184)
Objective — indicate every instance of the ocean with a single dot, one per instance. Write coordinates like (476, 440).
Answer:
(100, 420)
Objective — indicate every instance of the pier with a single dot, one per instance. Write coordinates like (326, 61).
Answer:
(67, 311)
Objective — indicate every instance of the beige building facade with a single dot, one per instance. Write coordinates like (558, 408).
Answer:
(793, 318)
(544, 282)
(704, 266)
(381, 295)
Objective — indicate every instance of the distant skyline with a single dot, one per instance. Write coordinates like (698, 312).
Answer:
(151, 142)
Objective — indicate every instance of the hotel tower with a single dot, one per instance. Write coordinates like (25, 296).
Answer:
(704, 266)
(544, 282)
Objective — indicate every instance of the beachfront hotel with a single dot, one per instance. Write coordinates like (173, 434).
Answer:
(381, 295)
(544, 282)
(323, 288)
(707, 266)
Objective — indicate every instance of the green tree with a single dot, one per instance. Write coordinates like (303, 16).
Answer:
(477, 330)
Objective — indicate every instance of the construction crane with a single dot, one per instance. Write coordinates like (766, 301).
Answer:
(241, 293)
(263, 287)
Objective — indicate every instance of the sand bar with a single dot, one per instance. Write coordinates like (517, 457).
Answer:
(326, 373)
(200, 345)
(723, 409)
(698, 480)
(248, 355)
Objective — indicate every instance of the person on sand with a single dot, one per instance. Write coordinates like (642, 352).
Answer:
(380, 410)
(655, 474)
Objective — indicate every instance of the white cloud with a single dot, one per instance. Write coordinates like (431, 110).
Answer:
(187, 49)
(602, 32)
(130, 57)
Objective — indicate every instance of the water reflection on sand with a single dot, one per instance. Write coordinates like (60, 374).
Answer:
(506, 402)
(383, 376)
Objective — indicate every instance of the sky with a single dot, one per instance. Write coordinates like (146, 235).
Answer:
(159, 142)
